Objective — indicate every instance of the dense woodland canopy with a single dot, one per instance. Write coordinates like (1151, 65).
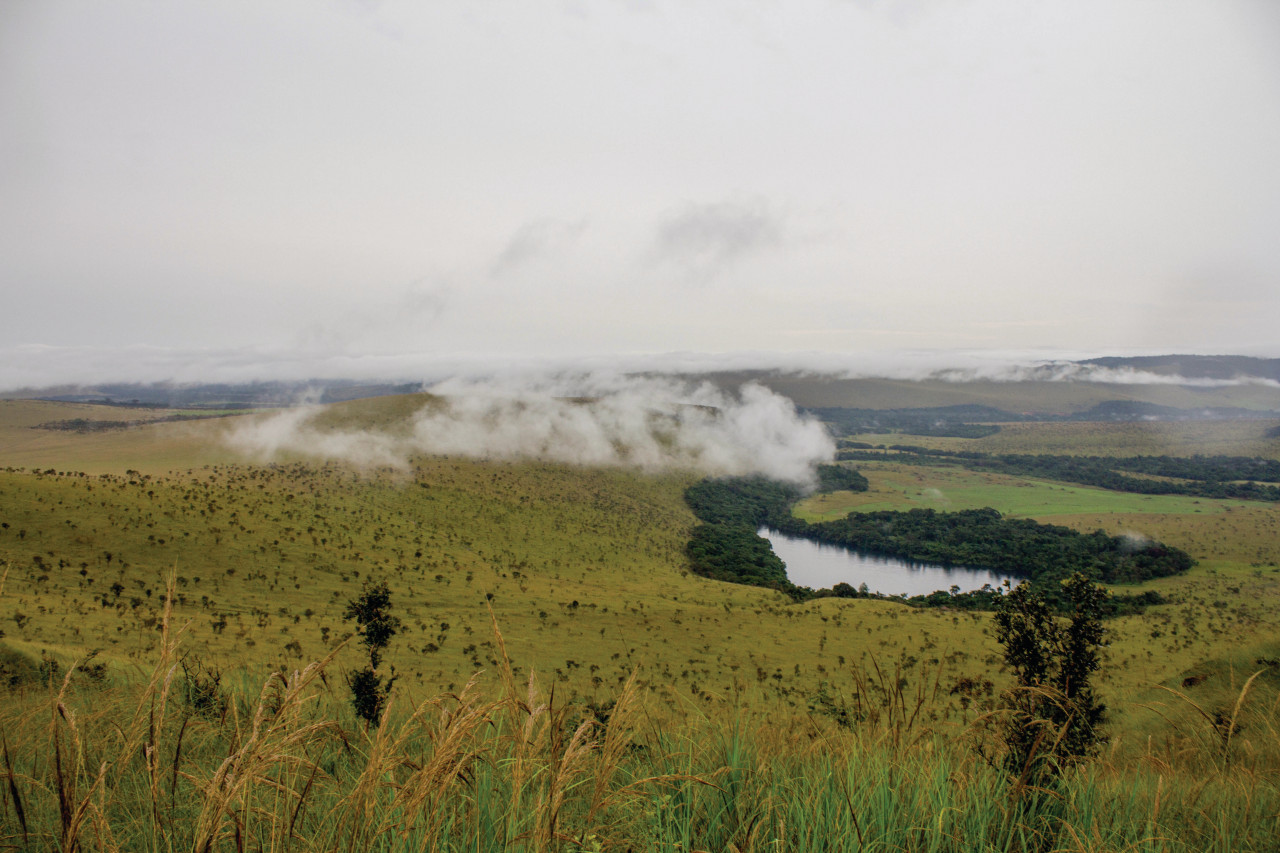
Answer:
(726, 546)
(1231, 477)
(971, 420)
(950, 421)
(1016, 546)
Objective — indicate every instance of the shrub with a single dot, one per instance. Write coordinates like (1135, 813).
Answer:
(376, 626)
(16, 669)
(1054, 716)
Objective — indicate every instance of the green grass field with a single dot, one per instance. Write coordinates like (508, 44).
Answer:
(585, 574)
(267, 556)
(1221, 438)
(583, 568)
(949, 489)
(1017, 397)
(153, 766)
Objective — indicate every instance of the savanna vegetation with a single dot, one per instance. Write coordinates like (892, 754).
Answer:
(949, 421)
(83, 425)
(168, 761)
(973, 421)
(181, 643)
(1233, 477)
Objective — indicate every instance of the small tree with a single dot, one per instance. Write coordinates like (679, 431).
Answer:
(1055, 718)
(376, 626)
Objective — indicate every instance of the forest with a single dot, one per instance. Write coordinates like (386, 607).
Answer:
(949, 421)
(726, 546)
(1231, 477)
(1016, 546)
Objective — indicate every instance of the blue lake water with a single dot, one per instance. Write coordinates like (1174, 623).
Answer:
(820, 566)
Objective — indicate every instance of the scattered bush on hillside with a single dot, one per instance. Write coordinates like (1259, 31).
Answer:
(16, 669)
(201, 688)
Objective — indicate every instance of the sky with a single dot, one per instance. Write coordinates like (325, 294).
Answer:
(237, 190)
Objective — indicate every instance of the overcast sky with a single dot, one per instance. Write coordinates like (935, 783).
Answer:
(331, 185)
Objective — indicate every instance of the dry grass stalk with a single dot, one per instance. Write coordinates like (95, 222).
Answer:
(1223, 727)
(456, 736)
(617, 740)
(277, 741)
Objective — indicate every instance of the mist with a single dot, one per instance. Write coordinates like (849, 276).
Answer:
(27, 367)
(648, 424)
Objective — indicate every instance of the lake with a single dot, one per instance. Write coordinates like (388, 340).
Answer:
(820, 566)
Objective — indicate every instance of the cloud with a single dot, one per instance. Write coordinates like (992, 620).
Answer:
(588, 419)
(705, 237)
(1070, 371)
(291, 431)
(901, 13)
(1134, 541)
(406, 312)
(535, 240)
(37, 366)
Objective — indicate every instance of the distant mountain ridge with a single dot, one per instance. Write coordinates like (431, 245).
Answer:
(248, 395)
(1089, 393)
(1195, 366)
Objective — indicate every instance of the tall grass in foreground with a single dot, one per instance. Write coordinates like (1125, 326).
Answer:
(158, 766)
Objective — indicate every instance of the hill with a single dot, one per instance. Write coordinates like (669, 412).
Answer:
(301, 534)
(1019, 397)
(1049, 388)
(1220, 367)
(584, 571)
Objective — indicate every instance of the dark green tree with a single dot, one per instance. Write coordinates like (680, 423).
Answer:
(1081, 655)
(1055, 718)
(376, 626)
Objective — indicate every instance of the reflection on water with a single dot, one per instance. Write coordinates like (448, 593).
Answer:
(820, 566)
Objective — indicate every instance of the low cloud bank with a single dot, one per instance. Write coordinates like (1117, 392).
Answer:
(29, 366)
(602, 420)
(1071, 371)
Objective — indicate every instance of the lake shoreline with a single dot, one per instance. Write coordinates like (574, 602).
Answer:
(820, 565)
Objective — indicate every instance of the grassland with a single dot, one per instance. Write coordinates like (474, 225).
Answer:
(152, 448)
(275, 551)
(1028, 396)
(906, 487)
(583, 568)
(150, 767)
(1222, 438)
(584, 572)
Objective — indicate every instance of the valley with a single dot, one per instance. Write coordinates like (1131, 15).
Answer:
(583, 573)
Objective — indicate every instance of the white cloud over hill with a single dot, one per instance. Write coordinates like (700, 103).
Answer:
(646, 423)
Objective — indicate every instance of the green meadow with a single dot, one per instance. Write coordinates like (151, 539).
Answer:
(1022, 396)
(583, 568)
(1178, 438)
(905, 487)
(536, 598)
